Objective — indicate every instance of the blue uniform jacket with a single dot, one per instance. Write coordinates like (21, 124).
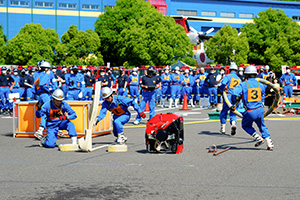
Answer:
(76, 82)
(263, 75)
(133, 80)
(231, 81)
(288, 79)
(186, 80)
(43, 86)
(252, 97)
(6, 81)
(202, 78)
(176, 79)
(16, 80)
(166, 80)
(124, 102)
(50, 116)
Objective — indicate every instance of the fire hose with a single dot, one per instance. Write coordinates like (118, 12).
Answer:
(274, 105)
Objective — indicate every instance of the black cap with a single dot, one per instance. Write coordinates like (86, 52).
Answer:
(288, 67)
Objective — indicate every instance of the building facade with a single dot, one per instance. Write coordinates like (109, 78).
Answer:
(61, 14)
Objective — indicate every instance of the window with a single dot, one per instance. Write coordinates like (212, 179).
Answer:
(227, 14)
(19, 3)
(186, 12)
(1, 2)
(296, 17)
(67, 5)
(246, 15)
(44, 4)
(90, 7)
(208, 13)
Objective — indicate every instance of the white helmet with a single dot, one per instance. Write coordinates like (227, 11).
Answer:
(106, 92)
(58, 94)
(251, 70)
(45, 64)
(167, 68)
(241, 69)
(134, 69)
(233, 66)
(267, 67)
(177, 68)
(186, 71)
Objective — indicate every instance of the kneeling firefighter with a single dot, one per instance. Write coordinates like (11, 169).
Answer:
(118, 105)
(56, 115)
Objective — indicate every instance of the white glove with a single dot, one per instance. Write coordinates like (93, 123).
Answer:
(96, 121)
(80, 95)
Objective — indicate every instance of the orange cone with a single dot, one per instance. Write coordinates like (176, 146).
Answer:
(185, 103)
(147, 109)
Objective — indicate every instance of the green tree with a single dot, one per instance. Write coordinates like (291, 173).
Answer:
(2, 46)
(79, 47)
(31, 44)
(227, 46)
(136, 32)
(274, 39)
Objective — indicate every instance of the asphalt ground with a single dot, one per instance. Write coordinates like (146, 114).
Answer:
(244, 172)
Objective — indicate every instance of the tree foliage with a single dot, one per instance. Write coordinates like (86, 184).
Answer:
(31, 44)
(79, 47)
(2, 46)
(136, 32)
(227, 46)
(274, 39)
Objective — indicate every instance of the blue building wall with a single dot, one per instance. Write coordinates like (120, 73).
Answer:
(61, 18)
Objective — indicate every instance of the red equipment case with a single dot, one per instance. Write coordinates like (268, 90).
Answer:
(164, 133)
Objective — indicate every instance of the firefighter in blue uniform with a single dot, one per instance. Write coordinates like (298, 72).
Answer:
(6, 85)
(230, 81)
(110, 78)
(56, 115)
(76, 85)
(241, 74)
(122, 83)
(149, 84)
(251, 92)
(263, 74)
(186, 81)
(53, 79)
(42, 82)
(22, 89)
(175, 88)
(89, 83)
(29, 85)
(287, 80)
(134, 82)
(211, 79)
(104, 81)
(166, 86)
(203, 89)
(16, 77)
(64, 75)
(118, 105)
(158, 90)
(195, 87)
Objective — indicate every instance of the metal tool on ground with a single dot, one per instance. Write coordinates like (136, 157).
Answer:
(215, 154)
(212, 149)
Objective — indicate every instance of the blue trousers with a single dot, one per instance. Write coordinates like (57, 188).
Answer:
(87, 93)
(22, 93)
(224, 111)
(213, 95)
(29, 94)
(119, 121)
(122, 93)
(256, 116)
(147, 97)
(65, 89)
(42, 98)
(288, 90)
(52, 129)
(187, 91)
(134, 92)
(165, 92)
(4, 94)
(73, 95)
(175, 91)
(203, 91)
(195, 92)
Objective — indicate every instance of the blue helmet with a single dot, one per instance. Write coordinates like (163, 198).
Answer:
(15, 70)
(75, 67)
(3, 68)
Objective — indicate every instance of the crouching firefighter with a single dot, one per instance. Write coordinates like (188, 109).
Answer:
(56, 115)
(118, 105)
(252, 92)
